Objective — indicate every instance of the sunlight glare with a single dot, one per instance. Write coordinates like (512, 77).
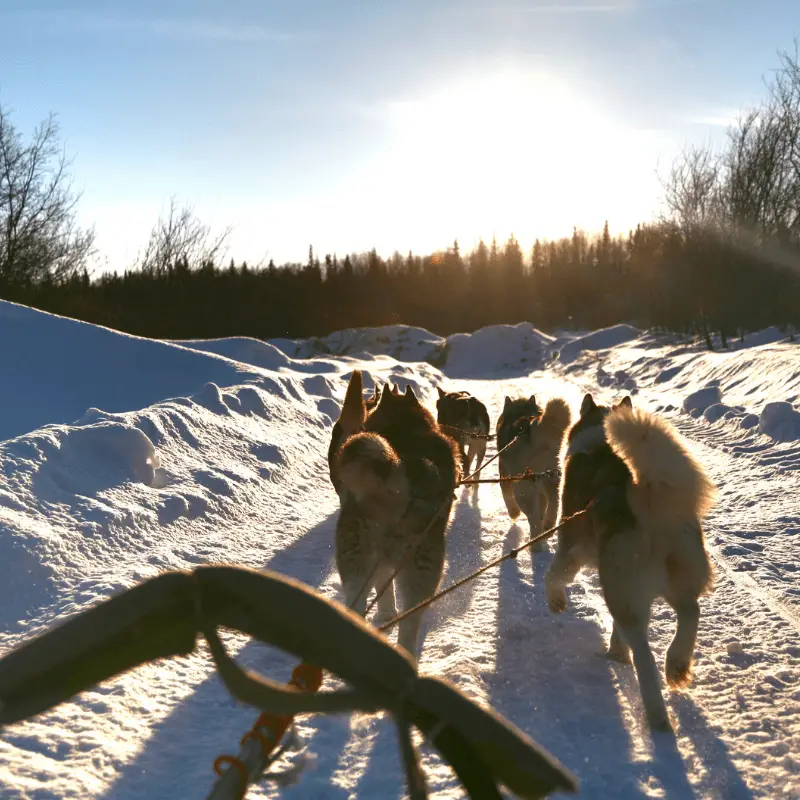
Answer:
(512, 151)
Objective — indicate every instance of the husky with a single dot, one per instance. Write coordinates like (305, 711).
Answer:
(337, 435)
(643, 533)
(399, 474)
(461, 416)
(538, 449)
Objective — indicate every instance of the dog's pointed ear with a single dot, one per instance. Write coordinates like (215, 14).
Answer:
(441, 393)
(396, 390)
(532, 399)
(507, 403)
(588, 404)
(626, 402)
(354, 410)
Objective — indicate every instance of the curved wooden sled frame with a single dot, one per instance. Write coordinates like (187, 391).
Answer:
(162, 617)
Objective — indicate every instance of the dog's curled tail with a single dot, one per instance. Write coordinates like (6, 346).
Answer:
(666, 476)
(370, 469)
(556, 417)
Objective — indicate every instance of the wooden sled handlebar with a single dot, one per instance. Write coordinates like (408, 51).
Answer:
(162, 617)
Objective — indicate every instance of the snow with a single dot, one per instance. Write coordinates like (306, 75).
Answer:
(699, 401)
(781, 421)
(123, 457)
(403, 342)
(500, 347)
(602, 339)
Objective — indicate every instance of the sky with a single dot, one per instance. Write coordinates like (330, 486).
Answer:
(397, 125)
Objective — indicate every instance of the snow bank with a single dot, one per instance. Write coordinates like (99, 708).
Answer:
(501, 348)
(242, 349)
(402, 342)
(717, 411)
(780, 421)
(496, 348)
(769, 335)
(698, 401)
(53, 368)
(602, 339)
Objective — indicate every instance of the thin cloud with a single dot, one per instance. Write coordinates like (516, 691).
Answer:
(720, 118)
(209, 30)
(579, 8)
(588, 7)
(186, 28)
(544, 7)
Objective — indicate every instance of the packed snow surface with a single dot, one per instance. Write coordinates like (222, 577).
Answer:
(122, 458)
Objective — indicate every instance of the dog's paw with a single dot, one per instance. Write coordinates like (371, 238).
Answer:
(557, 601)
(382, 617)
(659, 724)
(678, 671)
(620, 656)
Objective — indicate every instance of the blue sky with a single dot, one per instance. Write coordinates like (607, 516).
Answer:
(395, 125)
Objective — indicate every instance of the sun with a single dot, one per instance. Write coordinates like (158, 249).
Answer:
(507, 151)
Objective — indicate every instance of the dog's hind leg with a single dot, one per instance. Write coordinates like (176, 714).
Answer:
(688, 576)
(355, 559)
(356, 590)
(480, 454)
(563, 568)
(628, 594)
(477, 450)
(510, 500)
(633, 626)
(618, 649)
(419, 581)
(531, 498)
(550, 489)
(384, 584)
(678, 663)
(469, 454)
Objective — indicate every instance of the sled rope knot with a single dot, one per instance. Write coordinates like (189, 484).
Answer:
(268, 730)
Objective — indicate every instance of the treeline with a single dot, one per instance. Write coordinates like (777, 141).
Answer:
(656, 276)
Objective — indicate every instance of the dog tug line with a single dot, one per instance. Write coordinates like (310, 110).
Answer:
(260, 744)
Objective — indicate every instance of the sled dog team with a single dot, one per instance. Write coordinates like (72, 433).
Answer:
(395, 468)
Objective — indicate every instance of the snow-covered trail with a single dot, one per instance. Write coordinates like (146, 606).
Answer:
(737, 733)
(496, 639)
(235, 471)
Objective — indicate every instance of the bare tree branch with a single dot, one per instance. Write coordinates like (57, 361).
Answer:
(180, 240)
(39, 237)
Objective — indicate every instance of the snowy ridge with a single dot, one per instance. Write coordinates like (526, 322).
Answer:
(123, 457)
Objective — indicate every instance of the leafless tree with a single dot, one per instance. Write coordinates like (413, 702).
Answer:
(693, 188)
(751, 189)
(39, 237)
(180, 240)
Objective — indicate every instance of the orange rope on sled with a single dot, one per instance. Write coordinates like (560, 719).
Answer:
(269, 729)
(236, 763)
